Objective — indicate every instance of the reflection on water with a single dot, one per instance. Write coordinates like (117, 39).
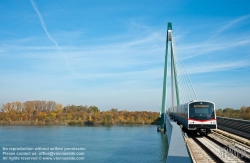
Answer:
(103, 144)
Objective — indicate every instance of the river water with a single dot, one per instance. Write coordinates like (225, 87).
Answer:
(77, 144)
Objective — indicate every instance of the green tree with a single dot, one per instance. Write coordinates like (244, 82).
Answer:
(219, 112)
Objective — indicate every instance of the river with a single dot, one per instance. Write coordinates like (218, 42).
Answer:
(75, 144)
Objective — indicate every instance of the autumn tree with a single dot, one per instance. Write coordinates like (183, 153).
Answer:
(38, 111)
(219, 112)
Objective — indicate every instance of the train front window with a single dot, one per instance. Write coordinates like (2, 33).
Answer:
(201, 110)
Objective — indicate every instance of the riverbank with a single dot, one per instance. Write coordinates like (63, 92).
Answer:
(49, 112)
(75, 123)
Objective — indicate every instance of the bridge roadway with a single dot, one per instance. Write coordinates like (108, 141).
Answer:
(177, 151)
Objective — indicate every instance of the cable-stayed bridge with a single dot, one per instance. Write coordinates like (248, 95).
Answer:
(182, 90)
(194, 132)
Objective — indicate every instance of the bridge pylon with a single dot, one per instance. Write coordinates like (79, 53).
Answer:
(174, 81)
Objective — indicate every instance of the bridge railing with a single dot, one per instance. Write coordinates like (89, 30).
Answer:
(169, 127)
(236, 126)
(177, 150)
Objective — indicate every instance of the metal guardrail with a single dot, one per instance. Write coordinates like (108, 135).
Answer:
(237, 124)
(235, 119)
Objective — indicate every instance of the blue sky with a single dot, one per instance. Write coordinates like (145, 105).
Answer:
(111, 53)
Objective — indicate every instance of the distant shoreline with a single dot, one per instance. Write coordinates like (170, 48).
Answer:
(68, 124)
(51, 113)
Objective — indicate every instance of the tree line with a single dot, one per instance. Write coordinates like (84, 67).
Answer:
(50, 112)
(242, 113)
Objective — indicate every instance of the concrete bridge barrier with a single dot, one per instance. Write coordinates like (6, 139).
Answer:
(177, 151)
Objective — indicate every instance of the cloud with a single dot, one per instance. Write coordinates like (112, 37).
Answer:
(137, 56)
(47, 33)
(145, 48)
(211, 43)
(131, 58)
(200, 48)
(217, 66)
(232, 23)
(50, 37)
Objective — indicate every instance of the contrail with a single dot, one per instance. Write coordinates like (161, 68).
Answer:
(49, 36)
(47, 33)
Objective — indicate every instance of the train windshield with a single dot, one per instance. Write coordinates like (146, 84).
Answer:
(201, 110)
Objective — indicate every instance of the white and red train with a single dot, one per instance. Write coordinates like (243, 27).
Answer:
(195, 116)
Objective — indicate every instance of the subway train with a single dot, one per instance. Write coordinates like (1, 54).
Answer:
(198, 117)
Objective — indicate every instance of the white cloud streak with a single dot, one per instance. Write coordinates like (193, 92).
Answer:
(47, 33)
(193, 50)
(232, 23)
(217, 66)
(49, 36)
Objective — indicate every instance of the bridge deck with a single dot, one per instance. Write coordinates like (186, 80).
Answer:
(177, 147)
